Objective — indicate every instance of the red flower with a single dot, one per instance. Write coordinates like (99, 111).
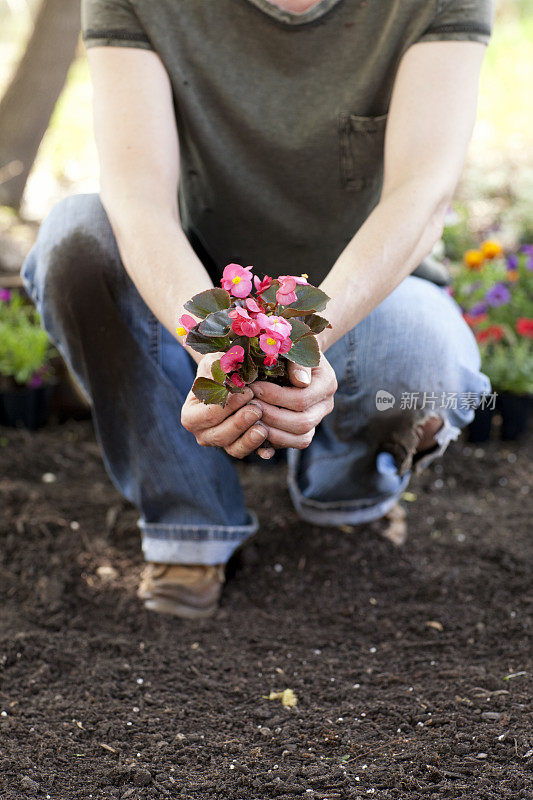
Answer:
(261, 286)
(494, 333)
(237, 380)
(524, 327)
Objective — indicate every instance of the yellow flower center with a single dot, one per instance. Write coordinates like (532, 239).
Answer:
(305, 275)
(271, 341)
(236, 279)
(181, 331)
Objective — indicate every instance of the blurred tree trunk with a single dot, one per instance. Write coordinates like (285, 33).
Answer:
(30, 98)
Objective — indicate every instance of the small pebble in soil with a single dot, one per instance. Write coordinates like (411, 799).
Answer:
(74, 526)
(140, 681)
(481, 755)
(142, 777)
(49, 477)
(27, 783)
(278, 567)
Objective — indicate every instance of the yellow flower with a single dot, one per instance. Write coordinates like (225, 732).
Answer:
(473, 259)
(491, 248)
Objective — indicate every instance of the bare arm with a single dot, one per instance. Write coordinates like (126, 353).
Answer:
(430, 122)
(138, 150)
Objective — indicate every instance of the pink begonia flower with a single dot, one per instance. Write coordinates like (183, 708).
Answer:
(252, 306)
(287, 284)
(237, 280)
(269, 361)
(261, 286)
(187, 322)
(243, 324)
(284, 346)
(277, 326)
(269, 344)
(237, 380)
(286, 294)
(231, 360)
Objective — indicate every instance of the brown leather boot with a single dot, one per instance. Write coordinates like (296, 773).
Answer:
(188, 591)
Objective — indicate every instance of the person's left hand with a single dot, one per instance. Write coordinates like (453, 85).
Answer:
(291, 413)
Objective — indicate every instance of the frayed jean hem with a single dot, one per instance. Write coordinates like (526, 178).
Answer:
(191, 544)
(342, 512)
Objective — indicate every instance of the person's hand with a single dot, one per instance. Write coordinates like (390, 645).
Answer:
(291, 413)
(235, 427)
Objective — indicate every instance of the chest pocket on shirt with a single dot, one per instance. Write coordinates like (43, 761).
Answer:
(361, 148)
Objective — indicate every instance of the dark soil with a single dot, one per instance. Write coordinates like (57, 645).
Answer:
(412, 667)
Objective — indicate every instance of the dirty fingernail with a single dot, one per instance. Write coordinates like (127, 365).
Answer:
(266, 454)
(254, 412)
(258, 432)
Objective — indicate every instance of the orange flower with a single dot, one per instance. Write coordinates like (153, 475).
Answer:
(494, 333)
(524, 327)
(491, 248)
(512, 275)
(473, 259)
(472, 321)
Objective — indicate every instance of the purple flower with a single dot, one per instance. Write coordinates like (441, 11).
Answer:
(5, 295)
(36, 380)
(478, 309)
(512, 262)
(498, 295)
(527, 248)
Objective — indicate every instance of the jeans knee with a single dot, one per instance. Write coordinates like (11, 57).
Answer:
(74, 249)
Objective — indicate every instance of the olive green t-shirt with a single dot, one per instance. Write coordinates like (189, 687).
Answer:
(281, 116)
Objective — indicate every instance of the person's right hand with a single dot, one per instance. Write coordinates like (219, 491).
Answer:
(236, 427)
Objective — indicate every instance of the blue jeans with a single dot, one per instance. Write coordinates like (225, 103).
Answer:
(137, 376)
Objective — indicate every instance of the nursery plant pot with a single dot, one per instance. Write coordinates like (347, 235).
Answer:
(515, 412)
(480, 427)
(25, 407)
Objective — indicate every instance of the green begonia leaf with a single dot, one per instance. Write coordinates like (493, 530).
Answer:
(207, 302)
(210, 392)
(305, 352)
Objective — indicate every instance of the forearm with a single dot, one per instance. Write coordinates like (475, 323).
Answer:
(158, 258)
(397, 235)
